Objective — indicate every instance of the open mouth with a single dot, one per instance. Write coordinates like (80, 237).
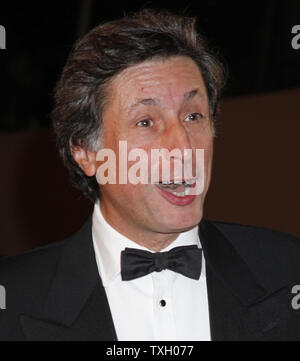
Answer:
(179, 188)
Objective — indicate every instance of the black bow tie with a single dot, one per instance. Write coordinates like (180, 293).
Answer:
(136, 263)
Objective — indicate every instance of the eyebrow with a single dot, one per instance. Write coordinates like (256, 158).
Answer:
(191, 94)
(154, 101)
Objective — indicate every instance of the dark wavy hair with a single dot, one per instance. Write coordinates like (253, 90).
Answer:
(81, 93)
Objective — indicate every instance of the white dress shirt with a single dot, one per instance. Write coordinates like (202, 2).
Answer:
(137, 309)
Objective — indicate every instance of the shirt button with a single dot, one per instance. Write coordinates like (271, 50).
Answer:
(162, 303)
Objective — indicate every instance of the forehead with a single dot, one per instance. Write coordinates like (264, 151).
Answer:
(166, 80)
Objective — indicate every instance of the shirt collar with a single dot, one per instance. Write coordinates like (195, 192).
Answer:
(108, 244)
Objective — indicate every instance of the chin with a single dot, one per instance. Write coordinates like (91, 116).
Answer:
(182, 223)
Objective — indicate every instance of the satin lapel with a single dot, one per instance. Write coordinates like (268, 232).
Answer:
(230, 320)
(240, 306)
(76, 307)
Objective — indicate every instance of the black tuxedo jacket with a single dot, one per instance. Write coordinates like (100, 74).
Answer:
(55, 292)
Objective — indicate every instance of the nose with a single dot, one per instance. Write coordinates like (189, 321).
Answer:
(176, 137)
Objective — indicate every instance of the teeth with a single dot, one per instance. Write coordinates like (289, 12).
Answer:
(172, 182)
(179, 194)
(186, 192)
(173, 185)
(187, 182)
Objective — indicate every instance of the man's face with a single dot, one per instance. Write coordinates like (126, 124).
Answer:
(153, 105)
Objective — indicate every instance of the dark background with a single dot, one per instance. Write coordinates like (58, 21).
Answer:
(253, 37)
(256, 174)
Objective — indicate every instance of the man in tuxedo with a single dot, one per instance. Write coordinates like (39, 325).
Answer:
(146, 265)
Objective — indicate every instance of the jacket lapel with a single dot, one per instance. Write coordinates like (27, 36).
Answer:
(76, 307)
(241, 306)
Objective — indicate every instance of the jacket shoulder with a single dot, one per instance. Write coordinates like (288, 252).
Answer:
(249, 232)
(267, 252)
(27, 263)
(28, 276)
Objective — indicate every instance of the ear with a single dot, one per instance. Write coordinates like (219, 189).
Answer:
(86, 159)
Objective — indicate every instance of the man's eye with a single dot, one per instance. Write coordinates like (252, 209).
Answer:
(145, 123)
(194, 117)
